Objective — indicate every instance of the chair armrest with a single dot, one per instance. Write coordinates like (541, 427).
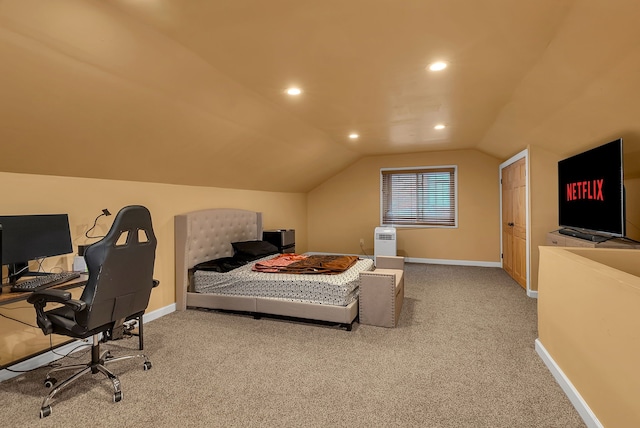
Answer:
(389, 262)
(39, 300)
(56, 296)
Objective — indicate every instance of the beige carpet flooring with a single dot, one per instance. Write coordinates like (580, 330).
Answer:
(462, 356)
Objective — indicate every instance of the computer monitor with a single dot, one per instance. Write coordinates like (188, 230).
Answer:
(33, 237)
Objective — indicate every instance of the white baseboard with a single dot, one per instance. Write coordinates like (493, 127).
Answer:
(452, 262)
(50, 356)
(158, 313)
(532, 293)
(426, 261)
(571, 392)
(320, 253)
(42, 359)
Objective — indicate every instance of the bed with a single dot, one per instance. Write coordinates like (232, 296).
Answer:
(206, 235)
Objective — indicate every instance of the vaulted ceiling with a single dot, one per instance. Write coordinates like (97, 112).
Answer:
(193, 91)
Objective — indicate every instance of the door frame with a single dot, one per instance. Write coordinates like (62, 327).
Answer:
(523, 154)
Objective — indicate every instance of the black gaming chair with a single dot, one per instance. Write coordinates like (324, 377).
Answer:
(118, 289)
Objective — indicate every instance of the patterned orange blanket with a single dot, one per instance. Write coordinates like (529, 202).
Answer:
(299, 264)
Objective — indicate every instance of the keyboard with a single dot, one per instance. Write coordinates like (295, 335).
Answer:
(45, 281)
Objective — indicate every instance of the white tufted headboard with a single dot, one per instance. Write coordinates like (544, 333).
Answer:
(206, 235)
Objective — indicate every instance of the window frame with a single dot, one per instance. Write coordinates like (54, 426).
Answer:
(417, 169)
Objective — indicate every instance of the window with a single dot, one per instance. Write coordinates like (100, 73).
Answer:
(422, 196)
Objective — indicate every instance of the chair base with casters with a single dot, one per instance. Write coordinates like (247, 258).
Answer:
(98, 364)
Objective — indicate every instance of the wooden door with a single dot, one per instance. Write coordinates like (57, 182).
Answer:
(514, 221)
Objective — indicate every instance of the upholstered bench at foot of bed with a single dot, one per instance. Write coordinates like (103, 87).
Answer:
(382, 292)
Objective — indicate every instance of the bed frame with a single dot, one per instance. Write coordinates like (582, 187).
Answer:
(206, 235)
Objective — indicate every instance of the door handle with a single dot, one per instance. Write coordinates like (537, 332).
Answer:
(511, 224)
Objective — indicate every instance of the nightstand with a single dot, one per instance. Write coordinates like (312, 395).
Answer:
(284, 239)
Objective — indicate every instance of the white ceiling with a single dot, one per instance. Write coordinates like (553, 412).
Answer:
(192, 92)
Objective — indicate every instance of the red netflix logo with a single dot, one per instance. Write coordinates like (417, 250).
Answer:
(591, 189)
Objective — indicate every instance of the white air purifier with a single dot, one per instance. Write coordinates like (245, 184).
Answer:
(384, 243)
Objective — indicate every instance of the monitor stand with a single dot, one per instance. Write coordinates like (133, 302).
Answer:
(583, 235)
(18, 270)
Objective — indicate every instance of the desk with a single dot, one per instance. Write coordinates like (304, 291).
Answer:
(19, 341)
(9, 296)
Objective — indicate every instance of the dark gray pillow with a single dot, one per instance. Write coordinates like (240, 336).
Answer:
(224, 264)
(253, 249)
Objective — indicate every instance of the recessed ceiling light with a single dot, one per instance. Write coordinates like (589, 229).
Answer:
(439, 126)
(354, 136)
(437, 66)
(294, 91)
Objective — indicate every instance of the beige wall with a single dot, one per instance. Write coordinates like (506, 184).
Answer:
(346, 208)
(83, 200)
(331, 218)
(543, 202)
(589, 323)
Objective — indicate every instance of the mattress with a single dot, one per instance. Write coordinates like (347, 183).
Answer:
(340, 290)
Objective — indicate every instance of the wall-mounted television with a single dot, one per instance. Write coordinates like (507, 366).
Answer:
(591, 193)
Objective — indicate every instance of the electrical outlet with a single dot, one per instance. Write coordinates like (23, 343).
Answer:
(362, 242)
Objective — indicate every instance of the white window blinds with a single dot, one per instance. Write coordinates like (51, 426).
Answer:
(421, 196)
